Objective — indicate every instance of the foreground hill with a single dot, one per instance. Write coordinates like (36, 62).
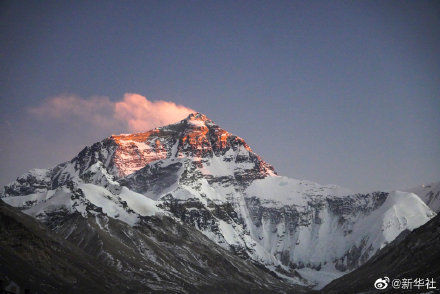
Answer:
(35, 259)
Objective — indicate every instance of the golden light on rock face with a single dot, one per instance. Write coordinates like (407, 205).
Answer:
(138, 137)
(195, 136)
(134, 151)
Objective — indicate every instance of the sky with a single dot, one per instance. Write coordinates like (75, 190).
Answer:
(336, 92)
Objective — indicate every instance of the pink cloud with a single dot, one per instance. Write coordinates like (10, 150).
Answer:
(96, 110)
(134, 112)
(142, 114)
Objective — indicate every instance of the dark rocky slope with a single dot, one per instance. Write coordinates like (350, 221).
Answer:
(38, 260)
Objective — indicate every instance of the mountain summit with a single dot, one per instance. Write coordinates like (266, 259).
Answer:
(203, 177)
(196, 136)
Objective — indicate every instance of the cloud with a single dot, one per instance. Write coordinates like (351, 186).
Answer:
(97, 110)
(141, 114)
(134, 113)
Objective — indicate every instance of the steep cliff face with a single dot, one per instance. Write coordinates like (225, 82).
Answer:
(207, 178)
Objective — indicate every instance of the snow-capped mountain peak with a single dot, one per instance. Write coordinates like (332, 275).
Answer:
(197, 116)
(210, 179)
(194, 137)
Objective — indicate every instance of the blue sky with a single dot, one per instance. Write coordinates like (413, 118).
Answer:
(342, 92)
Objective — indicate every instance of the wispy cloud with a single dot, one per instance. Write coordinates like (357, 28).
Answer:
(141, 114)
(134, 113)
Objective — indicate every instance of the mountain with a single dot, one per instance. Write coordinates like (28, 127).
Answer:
(199, 175)
(412, 255)
(430, 194)
(31, 257)
(156, 255)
